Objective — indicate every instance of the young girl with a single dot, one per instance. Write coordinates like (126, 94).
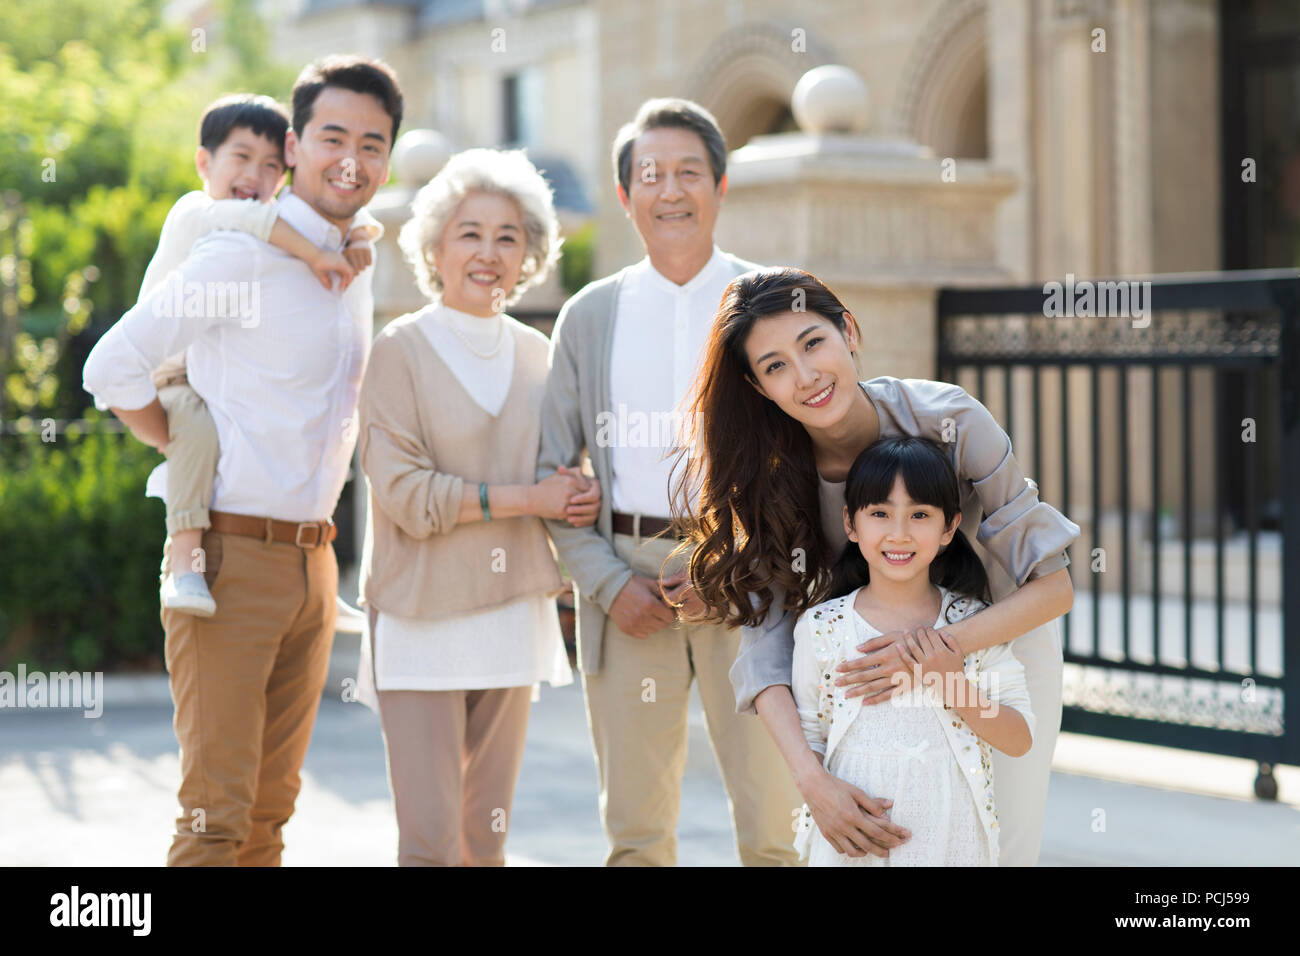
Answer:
(926, 753)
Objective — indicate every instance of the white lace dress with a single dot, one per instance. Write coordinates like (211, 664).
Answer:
(898, 751)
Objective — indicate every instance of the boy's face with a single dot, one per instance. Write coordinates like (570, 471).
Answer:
(245, 166)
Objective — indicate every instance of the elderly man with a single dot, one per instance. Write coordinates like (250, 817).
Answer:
(282, 391)
(623, 354)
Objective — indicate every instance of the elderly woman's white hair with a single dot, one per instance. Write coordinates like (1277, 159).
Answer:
(506, 172)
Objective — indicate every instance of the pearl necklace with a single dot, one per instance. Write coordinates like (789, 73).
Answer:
(501, 337)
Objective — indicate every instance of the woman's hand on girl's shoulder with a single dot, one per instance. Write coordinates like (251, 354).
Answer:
(871, 676)
(890, 663)
(934, 656)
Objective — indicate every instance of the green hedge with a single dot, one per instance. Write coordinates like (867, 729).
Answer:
(80, 547)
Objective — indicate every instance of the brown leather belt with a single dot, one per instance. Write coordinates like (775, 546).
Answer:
(305, 534)
(626, 524)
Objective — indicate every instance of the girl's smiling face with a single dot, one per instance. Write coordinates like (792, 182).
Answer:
(899, 538)
(804, 364)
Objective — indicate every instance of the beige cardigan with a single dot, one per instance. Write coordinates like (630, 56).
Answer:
(421, 438)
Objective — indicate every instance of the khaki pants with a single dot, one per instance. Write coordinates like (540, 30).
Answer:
(246, 684)
(453, 761)
(636, 708)
(191, 457)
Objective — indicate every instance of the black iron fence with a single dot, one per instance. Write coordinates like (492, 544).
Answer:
(1165, 420)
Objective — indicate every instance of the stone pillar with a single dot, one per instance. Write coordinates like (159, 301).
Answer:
(417, 156)
(881, 221)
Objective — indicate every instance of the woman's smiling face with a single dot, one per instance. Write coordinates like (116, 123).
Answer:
(804, 364)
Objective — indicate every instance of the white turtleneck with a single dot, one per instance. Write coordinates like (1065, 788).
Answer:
(514, 645)
(487, 380)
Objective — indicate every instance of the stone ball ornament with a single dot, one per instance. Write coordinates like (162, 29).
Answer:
(418, 155)
(830, 99)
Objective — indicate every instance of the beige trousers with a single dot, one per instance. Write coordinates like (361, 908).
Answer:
(191, 457)
(246, 684)
(637, 712)
(453, 761)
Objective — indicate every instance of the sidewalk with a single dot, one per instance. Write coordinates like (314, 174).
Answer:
(81, 792)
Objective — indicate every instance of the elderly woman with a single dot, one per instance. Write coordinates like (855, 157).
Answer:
(458, 575)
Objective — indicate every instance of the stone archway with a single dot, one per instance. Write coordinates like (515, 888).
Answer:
(944, 98)
(747, 75)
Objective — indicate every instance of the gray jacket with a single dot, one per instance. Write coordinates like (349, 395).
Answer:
(577, 391)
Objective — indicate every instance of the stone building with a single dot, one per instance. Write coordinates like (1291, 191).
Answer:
(1088, 138)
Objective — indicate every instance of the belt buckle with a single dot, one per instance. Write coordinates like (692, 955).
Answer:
(305, 525)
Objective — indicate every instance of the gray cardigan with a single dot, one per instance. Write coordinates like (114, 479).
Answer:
(577, 390)
(1023, 536)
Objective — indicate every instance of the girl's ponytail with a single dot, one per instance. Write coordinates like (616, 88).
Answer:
(850, 571)
(959, 569)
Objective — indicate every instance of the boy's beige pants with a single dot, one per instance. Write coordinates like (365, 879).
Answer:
(191, 457)
(637, 711)
(246, 684)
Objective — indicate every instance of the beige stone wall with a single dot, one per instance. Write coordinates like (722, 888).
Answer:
(730, 56)
(372, 31)
(1115, 155)
(1185, 140)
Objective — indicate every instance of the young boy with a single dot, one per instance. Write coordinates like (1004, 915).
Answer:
(241, 162)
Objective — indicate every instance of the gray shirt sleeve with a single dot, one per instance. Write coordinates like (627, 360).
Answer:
(588, 556)
(1024, 534)
(766, 655)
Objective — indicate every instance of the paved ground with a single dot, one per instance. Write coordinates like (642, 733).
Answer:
(102, 792)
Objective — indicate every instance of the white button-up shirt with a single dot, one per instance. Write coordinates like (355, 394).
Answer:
(277, 358)
(660, 329)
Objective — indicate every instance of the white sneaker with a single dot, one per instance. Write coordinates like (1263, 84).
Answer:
(350, 620)
(188, 594)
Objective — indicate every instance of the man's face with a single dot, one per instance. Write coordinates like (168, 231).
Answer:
(245, 166)
(671, 198)
(341, 157)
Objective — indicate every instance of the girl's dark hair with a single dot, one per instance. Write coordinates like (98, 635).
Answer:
(747, 499)
(930, 480)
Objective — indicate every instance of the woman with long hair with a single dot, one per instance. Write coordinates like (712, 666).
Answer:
(776, 418)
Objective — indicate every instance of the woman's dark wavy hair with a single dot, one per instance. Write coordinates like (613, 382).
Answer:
(745, 492)
(930, 480)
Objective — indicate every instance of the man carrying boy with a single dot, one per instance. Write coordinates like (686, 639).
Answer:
(282, 389)
(241, 162)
